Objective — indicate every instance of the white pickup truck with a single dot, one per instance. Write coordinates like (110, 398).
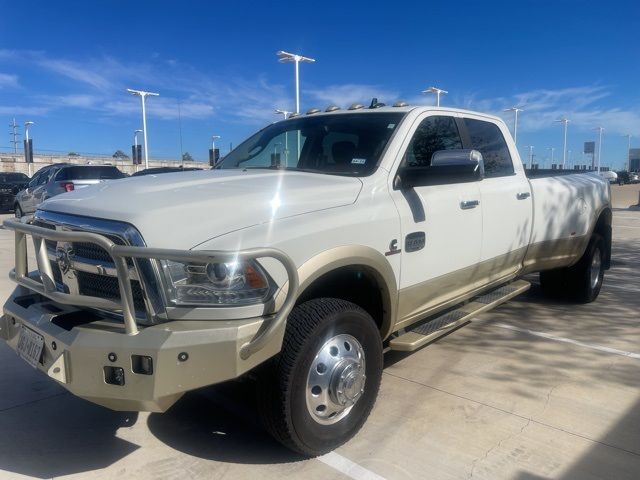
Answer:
(318, 244)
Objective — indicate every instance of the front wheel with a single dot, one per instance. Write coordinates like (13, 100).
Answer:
(318, 392)
(18, 211)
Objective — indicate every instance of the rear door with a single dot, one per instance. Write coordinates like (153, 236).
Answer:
(441, 224)
(507, 211)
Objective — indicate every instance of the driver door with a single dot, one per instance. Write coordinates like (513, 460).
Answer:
(441, 225)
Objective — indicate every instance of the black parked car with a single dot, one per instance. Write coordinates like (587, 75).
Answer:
(10, 184)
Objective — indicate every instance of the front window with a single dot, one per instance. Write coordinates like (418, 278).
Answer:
(339, 144)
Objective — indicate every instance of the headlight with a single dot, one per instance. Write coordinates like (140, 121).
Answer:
(233, 283)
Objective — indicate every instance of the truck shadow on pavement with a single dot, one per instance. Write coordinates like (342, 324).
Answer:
(61, 435)
(220, 423)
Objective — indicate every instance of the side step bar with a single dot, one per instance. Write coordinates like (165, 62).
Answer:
(427, 332)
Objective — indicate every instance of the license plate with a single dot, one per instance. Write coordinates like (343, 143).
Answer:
(30, 346)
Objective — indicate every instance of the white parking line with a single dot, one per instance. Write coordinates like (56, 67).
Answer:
(600, 348)
(348, 468)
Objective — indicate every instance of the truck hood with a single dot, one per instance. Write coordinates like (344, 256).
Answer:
(182, 210)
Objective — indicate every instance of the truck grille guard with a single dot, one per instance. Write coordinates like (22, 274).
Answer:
(120, 254)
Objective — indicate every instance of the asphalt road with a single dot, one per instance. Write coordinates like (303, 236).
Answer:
(534, 389)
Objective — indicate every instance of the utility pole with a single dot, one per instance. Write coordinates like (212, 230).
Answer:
(515, 110)
(437, 91)
(142, 94)
(552, 150)
(599, 130)
(564, 149)
(14, 134)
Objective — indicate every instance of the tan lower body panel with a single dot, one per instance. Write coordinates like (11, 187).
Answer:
(438, 326)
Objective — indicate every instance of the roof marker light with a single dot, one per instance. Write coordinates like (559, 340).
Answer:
(356, 106)
(332, 108)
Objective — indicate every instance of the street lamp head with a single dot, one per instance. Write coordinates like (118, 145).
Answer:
(142, 93)
(285, 57)
(562, 120)
(215, 137)
(513, 109)
(435, 90)
(26, 124)
(137, 131)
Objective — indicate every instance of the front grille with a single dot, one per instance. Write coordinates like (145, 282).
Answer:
(96, 285)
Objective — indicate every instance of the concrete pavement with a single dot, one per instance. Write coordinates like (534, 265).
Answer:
(534, 389)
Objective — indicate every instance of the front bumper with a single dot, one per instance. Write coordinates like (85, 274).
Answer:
(80, 346)
(81, 352)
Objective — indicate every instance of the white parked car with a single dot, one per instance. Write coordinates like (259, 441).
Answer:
(318, 243)
(610, 176)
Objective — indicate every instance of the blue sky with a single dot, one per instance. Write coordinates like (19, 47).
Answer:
(66, 65)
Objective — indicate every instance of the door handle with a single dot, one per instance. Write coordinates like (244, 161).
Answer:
(523, 195)
(467, 204)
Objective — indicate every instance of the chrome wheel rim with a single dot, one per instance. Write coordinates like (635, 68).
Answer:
(596, 262)
(336, 379)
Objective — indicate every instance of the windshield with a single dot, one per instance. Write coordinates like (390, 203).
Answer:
(343, 144)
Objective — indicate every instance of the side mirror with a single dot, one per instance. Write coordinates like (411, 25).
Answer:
(447, 166)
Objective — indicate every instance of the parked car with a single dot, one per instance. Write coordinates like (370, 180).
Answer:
(623, 177)
(10, 184)
(634, 177)
(610, 176)
(55, 179)
(157, 170)
(382, 229)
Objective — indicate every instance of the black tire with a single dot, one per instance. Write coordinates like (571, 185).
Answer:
(584, 288)
(18, 211)
(283, 382)
(576, 283)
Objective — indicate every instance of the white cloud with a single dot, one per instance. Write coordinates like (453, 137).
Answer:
(581, 105)
(8, 81)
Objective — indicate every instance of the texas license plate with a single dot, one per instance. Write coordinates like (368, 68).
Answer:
(30, 346)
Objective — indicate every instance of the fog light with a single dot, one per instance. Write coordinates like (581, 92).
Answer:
(114, 375)
(141, 364)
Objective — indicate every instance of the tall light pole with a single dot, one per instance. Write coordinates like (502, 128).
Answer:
(286, 57)
(515, 110)
(530, 147)
(26, 138)
(564, 121)
(553, 149)
(628, 135)
(437, 92)
(142, 94)
(599, 130)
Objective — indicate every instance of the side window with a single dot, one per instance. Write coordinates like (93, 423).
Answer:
(44, 177)
(433, 134)
(35, 179)
(487, 138)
